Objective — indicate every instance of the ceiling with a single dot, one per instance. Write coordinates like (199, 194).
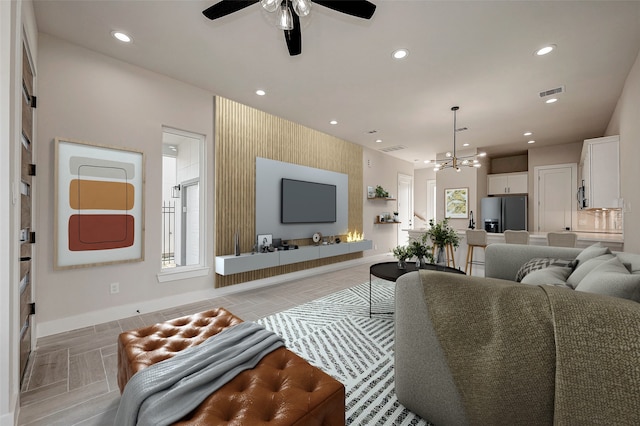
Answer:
(478, 55)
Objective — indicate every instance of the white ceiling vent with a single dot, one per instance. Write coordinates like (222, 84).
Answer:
(393, 148)
(550, 92)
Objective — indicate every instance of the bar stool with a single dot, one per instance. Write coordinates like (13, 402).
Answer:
(475, 238)
(562, 239)
(516, 237)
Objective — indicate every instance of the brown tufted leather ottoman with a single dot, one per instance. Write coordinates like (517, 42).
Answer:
(283, 389)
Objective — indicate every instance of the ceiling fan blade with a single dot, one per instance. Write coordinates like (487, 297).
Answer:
(360, 8)
(294, 37)
(225, 7)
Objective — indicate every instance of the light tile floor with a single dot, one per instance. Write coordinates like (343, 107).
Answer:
(71, 377)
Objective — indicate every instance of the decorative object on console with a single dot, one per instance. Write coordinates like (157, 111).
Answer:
(454, 161)
(264, 242)
(317, 237)
(236, 243)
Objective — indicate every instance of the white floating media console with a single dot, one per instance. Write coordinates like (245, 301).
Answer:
(230, 264)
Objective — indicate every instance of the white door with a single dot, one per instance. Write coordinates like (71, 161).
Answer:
(431, 201)
(405, 207)
(555, 192)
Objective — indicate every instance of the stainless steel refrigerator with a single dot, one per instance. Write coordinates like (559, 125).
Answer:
(502, 213)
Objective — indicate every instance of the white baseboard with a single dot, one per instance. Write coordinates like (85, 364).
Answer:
(10, 418)
(124, 311)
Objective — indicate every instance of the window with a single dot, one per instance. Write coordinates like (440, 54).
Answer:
(182, 191)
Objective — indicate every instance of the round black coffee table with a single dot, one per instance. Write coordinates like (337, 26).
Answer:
(389, 271)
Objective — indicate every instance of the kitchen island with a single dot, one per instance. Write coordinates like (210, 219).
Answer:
(615, 241)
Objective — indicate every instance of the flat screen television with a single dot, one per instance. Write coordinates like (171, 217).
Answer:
(307, 202)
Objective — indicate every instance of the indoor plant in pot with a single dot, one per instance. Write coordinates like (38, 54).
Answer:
(421, 251)
(441, 234)
(402, 254)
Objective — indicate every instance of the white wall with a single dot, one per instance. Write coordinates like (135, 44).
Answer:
(90, 97)
(625, 122)
(381, 169)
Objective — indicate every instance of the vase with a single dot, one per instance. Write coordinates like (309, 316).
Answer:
(236, 243)
(402, 264)
(421, 263)
(441, 258)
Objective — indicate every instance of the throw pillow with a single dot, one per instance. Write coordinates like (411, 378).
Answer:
(583, 268)
(538, 263)
(592, 251)
(551, 275)
(611, 278)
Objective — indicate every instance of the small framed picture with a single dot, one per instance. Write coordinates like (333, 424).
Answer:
(264, 241)
(456, 203)
(371, 192)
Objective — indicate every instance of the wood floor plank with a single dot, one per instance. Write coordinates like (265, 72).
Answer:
(76, 357)
(49, 368)
(85, 368)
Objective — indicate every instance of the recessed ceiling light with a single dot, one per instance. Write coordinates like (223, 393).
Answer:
(465, 144)
(427, 161)
(121, 36)
(528, 133)
(260, 92)
(333, 122)
(400, 53)
(552, 100)
(545, 50)
(378, 140)
(531, 142)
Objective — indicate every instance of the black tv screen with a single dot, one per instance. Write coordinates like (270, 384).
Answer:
(307, 202)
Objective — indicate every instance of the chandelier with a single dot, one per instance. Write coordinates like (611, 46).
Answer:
(452, 160)
(284, 20)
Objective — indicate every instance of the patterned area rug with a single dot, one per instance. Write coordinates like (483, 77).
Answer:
(336, 334)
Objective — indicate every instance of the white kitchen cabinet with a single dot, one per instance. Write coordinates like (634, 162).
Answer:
(508, 183)
(600, 171)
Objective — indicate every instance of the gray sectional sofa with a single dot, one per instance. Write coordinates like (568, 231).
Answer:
(472, 350)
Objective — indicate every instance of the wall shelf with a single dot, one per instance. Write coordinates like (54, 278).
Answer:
(381, 198)
(230, 264)
(377, 222)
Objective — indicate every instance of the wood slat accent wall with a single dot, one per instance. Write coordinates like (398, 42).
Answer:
(243, 133)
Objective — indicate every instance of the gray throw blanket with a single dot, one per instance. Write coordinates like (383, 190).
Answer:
(167, 391)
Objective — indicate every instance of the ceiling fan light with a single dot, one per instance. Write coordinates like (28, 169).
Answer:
(448, 154)
(269, 5)
(465, 162)
(285, 20)
(302, 7)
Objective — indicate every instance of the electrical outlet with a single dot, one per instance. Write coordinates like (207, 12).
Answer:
(114, 288)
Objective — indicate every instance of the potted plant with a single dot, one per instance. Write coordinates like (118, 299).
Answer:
(381, 192)
(421, 251)
(441, 234)
(402, 254)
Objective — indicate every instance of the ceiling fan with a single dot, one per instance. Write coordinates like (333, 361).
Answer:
(289, 12)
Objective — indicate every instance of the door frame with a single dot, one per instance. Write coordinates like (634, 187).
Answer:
(408, 179)
(536, 188)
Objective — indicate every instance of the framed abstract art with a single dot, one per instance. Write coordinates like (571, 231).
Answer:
(99, 205)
